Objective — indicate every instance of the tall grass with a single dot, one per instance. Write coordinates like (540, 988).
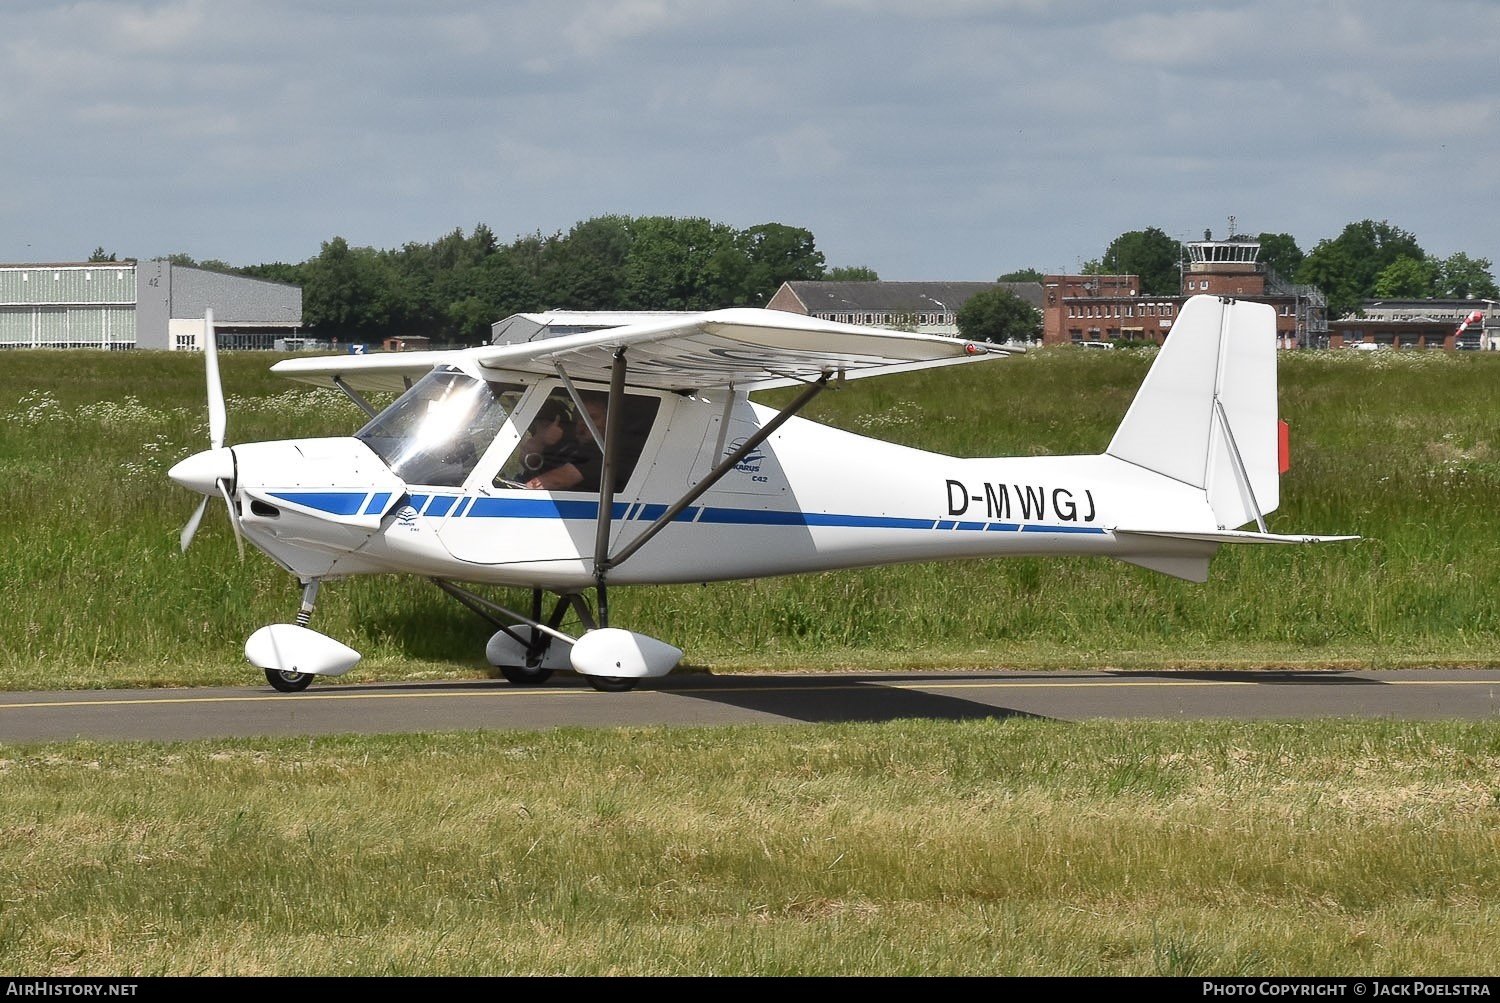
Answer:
(1399, 447)
(990, 847)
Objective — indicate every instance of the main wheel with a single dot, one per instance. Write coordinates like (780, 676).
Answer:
(525, 675)
(288, 682)
(612, 684)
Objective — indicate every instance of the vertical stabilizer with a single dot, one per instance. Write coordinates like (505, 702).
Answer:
(1206, 413)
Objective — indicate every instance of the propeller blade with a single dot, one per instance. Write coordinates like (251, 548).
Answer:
(217, 416)
(191, 528)
(195, 471)
(234, 516)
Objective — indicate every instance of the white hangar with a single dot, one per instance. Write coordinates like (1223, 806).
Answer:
(145, 304)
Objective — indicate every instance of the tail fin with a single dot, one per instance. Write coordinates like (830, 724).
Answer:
(1206, 413)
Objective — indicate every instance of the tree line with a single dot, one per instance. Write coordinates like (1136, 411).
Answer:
(1367, 260)
(454, 288)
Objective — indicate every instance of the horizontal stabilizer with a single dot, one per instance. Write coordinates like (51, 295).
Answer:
(1187, 554)
(1231, 536)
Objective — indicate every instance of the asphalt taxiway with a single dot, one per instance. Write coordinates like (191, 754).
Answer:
(778, 698)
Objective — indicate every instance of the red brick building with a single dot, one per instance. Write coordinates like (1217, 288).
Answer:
(1427, 323)
(1108, 309)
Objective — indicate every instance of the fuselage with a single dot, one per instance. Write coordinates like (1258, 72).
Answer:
(425, 491)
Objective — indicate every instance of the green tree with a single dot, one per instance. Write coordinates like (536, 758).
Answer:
(276, 271)
(851, 273)
(775, 253)
(100, 256)
(679, 264)
(586, 269)
(1407, 278)
(454, 284)
(1279, 252)
(1151, 254)
(1024, 275)
(1463, 277)
(505, 286)
(998, 315)
(353, 293)
(1346, 267)
(1329, 268)
(530, 253)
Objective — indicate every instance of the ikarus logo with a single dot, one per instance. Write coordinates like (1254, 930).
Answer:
(750, 463)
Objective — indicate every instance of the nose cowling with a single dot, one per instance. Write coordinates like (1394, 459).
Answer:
(203, 471)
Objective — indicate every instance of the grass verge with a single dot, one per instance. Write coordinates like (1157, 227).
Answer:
(998, 847)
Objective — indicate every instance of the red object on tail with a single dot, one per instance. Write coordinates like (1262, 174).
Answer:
(1283, 447)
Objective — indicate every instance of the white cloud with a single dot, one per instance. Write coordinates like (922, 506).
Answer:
(956, 138)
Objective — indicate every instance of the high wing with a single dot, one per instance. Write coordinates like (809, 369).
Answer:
(748, 348)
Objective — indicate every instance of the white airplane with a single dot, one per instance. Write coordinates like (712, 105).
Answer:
(485, 471)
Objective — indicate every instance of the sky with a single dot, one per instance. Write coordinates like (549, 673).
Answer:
(933, 140)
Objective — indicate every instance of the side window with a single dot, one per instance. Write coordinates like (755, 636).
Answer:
(639, 415)
(558, 451)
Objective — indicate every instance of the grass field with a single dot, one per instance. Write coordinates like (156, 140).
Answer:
(983, 848)
(999, 847)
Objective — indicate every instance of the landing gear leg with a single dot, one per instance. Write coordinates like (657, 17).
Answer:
(296, 682)
(532, 673)
(525, 648)
(607, 684)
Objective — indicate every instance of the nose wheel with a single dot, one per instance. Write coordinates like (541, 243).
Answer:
(284, 650)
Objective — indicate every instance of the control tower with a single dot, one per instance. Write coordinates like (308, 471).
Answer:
(1224, 267)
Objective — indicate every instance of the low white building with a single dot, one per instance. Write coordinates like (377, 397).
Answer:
(519, 328)
(923, 307)
(146, 304)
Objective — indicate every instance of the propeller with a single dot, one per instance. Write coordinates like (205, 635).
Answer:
(211, 471)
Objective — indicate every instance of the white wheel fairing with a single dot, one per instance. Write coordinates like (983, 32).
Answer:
(503, 650)
(612, 651)
(286, 647)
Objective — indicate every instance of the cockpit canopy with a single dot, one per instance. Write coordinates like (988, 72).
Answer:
(436, 432)
(440, 431)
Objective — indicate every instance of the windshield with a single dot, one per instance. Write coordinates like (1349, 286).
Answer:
(436, 432)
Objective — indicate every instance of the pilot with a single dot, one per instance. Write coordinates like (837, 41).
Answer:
(581, 470)
(548, 443)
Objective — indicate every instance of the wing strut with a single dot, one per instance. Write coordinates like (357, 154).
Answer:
(603, 561)
(355, 396)
(727, 464)
(613, 419)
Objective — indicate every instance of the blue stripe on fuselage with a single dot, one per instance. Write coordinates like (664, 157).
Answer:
(547, 507)
(332, 502)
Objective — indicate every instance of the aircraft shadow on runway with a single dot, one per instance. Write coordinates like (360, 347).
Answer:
(1318, 677)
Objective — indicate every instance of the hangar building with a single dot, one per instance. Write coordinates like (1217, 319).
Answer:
(146, 304)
